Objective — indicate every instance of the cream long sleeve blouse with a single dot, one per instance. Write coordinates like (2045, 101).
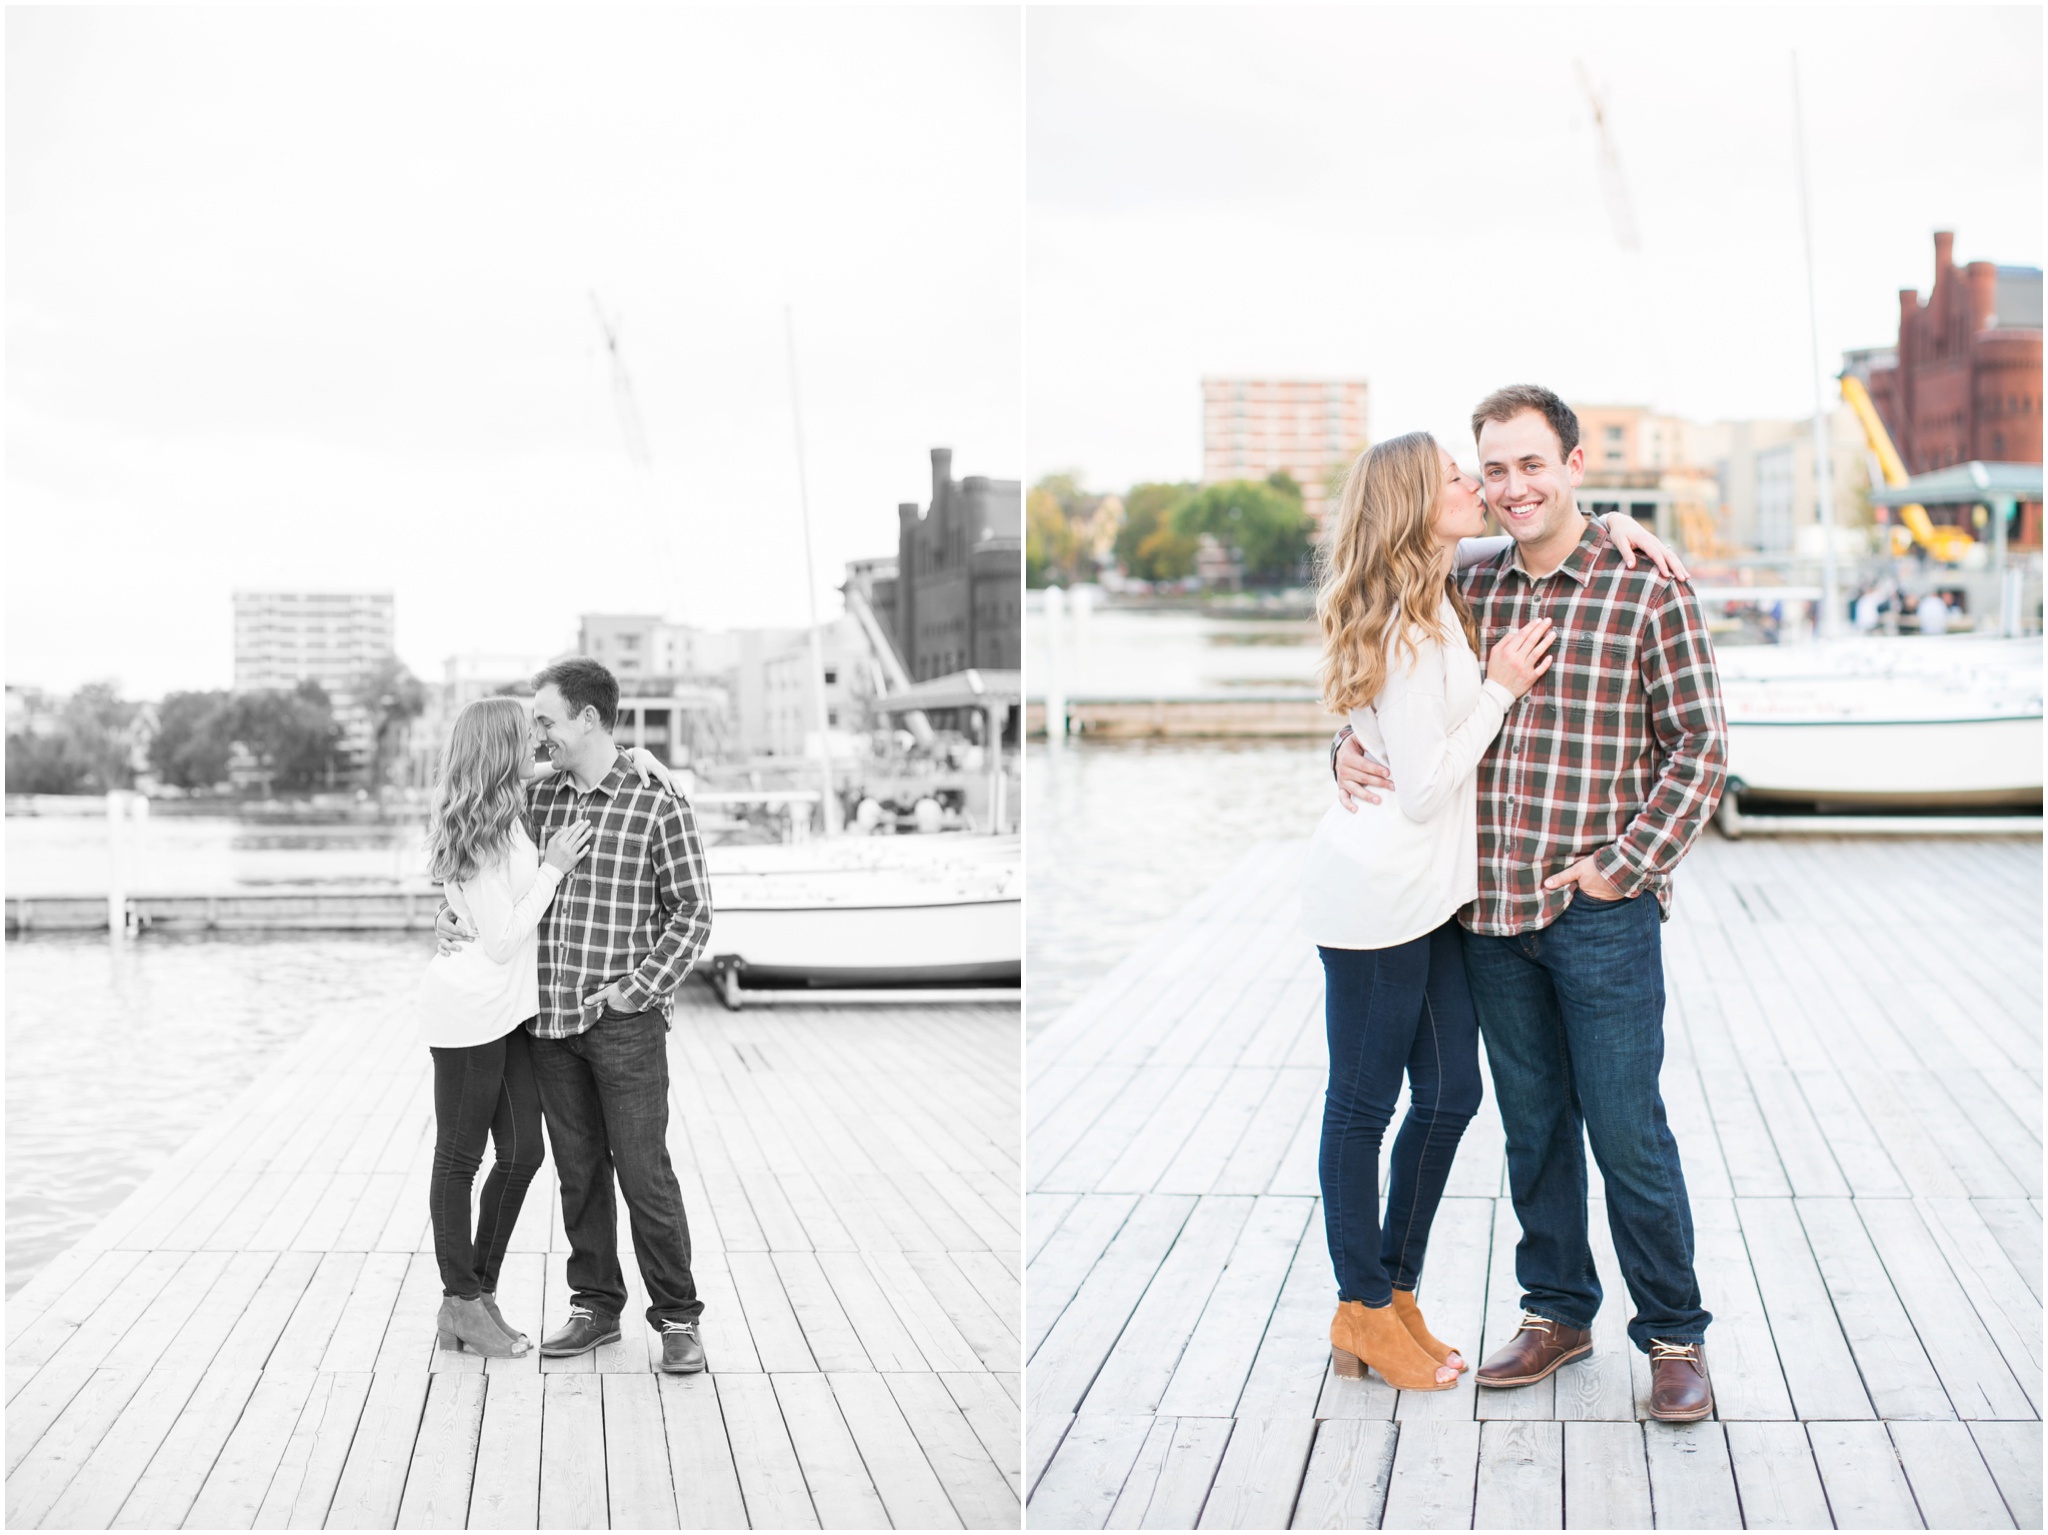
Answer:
(1376, 879)
(488, 988)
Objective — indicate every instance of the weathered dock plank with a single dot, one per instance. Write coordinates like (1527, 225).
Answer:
(1855, 1092)
(248, 1340)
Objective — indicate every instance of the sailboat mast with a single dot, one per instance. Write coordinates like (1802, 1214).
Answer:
(829, 808)
(1823, 477)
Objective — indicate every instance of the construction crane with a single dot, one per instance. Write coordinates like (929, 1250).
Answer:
(1621, 207)
(627, 403)
(1944, 543)
(888, 667)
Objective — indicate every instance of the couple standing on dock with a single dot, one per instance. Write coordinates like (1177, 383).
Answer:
(1546, 717)
(551, 993)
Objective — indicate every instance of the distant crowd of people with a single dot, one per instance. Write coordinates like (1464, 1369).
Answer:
(1881, 605)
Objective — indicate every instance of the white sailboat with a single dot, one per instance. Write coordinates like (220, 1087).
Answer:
(931, 918)
(1872, 724)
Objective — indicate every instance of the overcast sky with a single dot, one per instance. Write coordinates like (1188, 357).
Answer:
(1413, 196)
(300, 298)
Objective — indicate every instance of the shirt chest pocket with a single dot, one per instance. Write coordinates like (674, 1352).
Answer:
(618, 853)
(1579, 715)
(1581, 649)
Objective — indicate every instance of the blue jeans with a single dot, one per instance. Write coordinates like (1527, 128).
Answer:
(606, 1095)
(1573, 1016)
(1390, 1011)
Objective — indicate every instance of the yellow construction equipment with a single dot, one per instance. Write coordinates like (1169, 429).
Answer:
(1947, 544)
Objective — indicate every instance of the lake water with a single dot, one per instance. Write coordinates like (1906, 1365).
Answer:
(1150, 653)
(118, 1053)
(179, 854)
(1121, 836)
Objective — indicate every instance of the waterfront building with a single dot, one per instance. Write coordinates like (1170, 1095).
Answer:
(1719, 486)
(1657, 468)
(1307, 428)
(778, 684)
(958, 587)
(1779, 470)
(1964, 379)
(675, 682)
(334, 638)
(1763, 471)
(641, 644)
(464, 679)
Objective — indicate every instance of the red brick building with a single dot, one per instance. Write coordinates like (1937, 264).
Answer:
(1967, 384)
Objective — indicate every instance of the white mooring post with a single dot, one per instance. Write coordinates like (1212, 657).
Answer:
(117, 893)
(1055, 688)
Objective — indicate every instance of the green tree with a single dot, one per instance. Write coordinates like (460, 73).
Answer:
(1269, 529)
(394, 698)
(1065, 488)
(1147, 546)
(101, 724)
(44, 763)
(292, 735)
(194, 736)
(1050, 546)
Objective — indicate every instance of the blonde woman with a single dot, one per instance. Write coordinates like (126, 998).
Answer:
(473, 1004)
(1382, 891)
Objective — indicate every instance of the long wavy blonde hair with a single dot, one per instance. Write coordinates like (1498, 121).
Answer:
(481, 790)
(1384, 571)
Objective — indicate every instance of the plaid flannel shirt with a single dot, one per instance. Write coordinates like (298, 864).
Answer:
(1618, 752)
(636, 909)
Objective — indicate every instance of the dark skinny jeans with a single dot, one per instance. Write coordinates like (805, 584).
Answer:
(481, 1091)
(1390, 1011)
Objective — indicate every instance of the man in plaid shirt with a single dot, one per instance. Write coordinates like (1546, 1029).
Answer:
(1600, 779)
(621, 934)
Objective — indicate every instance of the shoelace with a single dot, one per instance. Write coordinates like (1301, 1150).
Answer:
(1659, 1349)
(1531, 1322)
(582, 1311)
(689, 1327)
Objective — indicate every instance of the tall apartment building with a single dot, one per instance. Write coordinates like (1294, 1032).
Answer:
(1966, 379)
(1252, 428)
(958, 592)
(332, 638)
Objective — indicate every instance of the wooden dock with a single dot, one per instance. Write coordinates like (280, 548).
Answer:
(1854, 1077)
(248, 1341)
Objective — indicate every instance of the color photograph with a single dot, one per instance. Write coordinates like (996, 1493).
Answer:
(1533, 667)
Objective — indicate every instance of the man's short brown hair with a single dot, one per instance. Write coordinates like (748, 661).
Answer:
(1506, 404)
(584, 683)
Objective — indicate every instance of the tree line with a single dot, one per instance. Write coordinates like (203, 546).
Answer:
(1155, 531)
(96, 740)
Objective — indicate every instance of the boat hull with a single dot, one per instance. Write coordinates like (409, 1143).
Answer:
(1878, 723)
(1904, 763)
(871, 945)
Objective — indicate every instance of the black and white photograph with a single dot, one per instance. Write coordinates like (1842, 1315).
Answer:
(513, 863)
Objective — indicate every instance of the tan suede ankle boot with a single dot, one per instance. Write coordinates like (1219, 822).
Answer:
(1411, 1318)
(1363, 1336)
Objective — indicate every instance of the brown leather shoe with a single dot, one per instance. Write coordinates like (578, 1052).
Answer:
(1679, 1389)
(1534, 1352)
